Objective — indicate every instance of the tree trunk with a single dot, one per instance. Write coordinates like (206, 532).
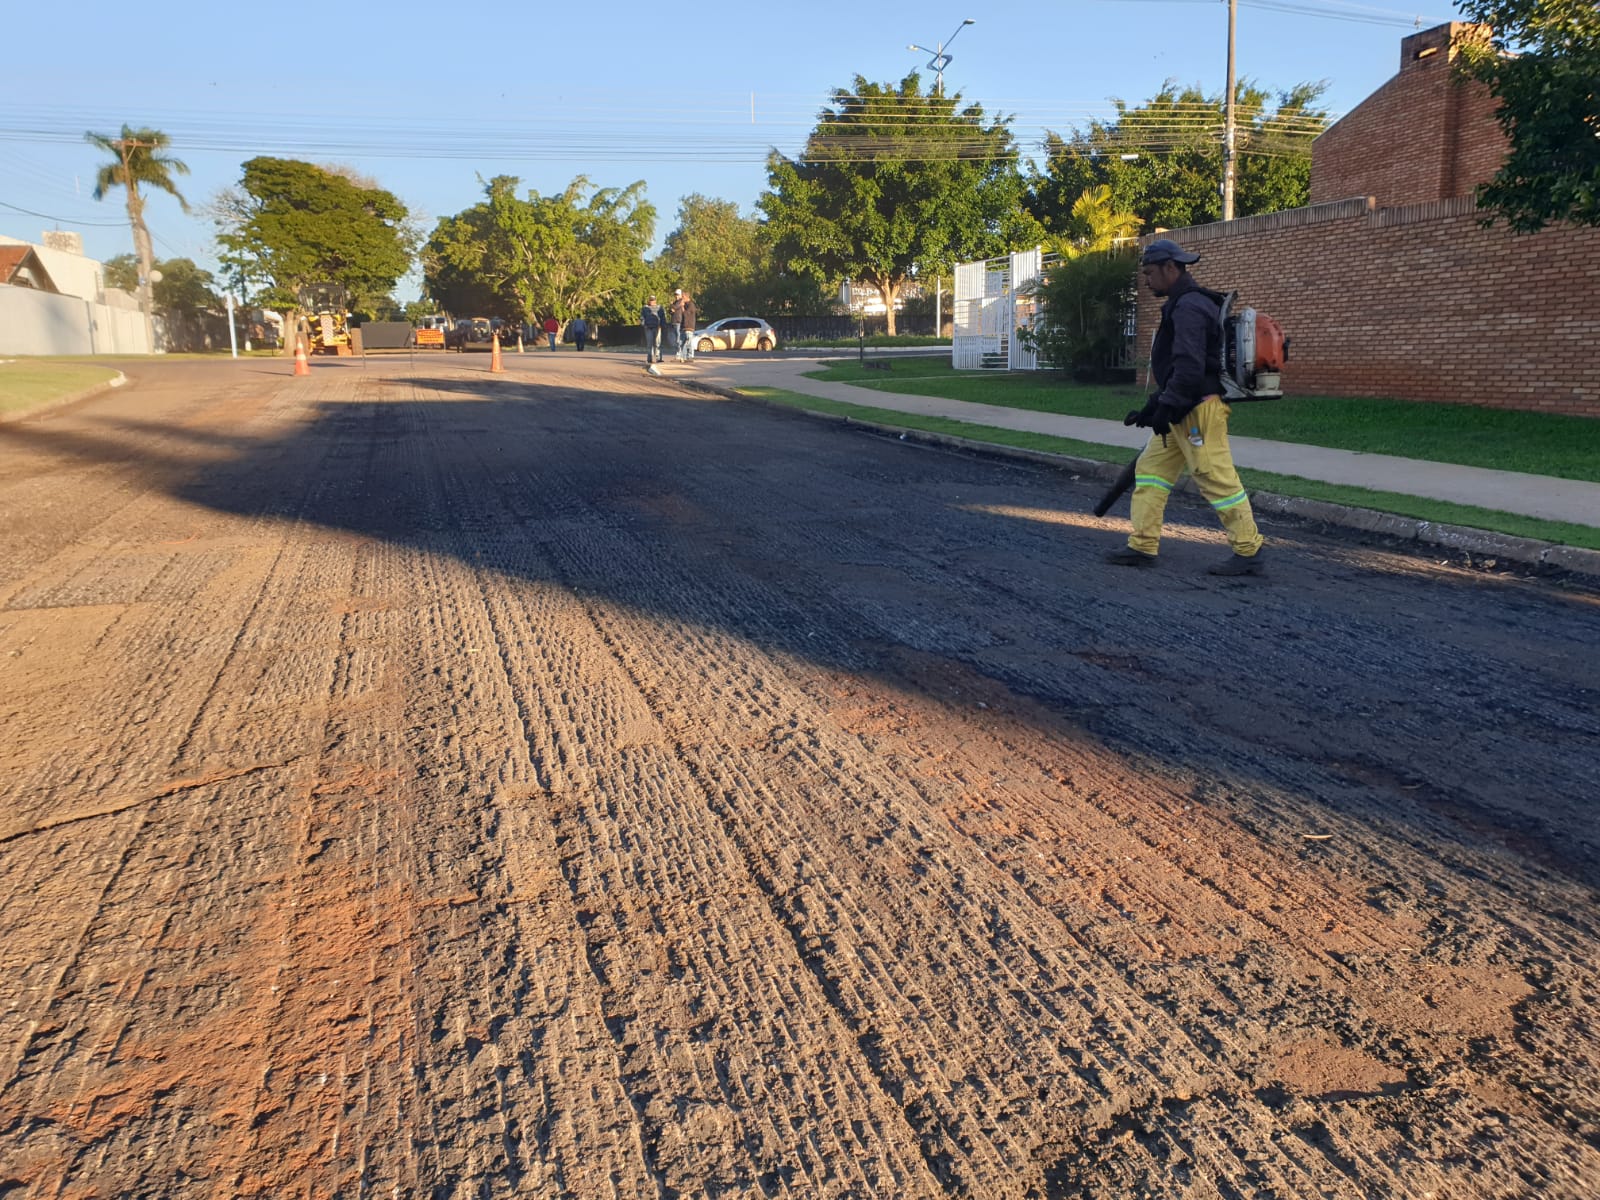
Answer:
(887, 290)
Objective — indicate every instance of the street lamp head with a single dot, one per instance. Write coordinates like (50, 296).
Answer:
(969, 21)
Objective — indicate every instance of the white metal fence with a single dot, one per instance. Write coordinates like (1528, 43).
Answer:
(992, 303)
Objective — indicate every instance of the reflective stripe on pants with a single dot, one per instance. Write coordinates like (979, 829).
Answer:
(1162, 464)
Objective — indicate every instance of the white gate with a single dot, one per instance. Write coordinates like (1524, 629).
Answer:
(988, 312)
(1024, 274)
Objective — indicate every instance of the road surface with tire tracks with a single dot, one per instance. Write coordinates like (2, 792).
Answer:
(422, 782)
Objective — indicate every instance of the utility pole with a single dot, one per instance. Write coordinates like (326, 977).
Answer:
(1228, 133)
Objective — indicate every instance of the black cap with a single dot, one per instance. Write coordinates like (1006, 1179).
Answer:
(1166, 250)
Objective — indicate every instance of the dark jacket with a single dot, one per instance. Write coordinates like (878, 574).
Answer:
(1186, 356)
(652, 316)
(687, 315)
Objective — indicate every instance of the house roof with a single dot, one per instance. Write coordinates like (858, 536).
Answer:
(21, 267)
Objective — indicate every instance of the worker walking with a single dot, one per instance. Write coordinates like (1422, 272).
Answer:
(1187, 418)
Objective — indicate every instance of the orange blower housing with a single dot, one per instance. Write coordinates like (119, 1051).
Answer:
(1254, 351)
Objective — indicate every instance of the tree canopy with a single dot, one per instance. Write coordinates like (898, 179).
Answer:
(292, 223)
(184, 289)
(1542, 62)
(579, 252)
(725, 261)
(1162, 159)
(895, 182)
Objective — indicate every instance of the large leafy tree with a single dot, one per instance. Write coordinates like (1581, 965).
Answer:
(1163, 159)
(290, 223)
(894, 182)
(139, 161)
(580, 251)
(184, 289)
(725, 261)
(1542, 62)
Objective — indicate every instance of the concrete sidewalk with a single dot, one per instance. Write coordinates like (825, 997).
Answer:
(1540, 496)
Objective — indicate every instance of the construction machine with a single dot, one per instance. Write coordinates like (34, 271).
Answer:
(323, 314)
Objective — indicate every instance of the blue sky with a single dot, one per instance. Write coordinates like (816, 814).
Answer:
(425, 98)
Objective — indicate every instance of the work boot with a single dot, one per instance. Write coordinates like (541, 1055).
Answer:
(1129, 557)
(1238, 564)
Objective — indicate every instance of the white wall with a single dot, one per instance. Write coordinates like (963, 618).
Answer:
(33, 322)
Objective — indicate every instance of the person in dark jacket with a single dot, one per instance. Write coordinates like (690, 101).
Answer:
(1187, 419)
(580, 331)
(652, 318)
(684, 316)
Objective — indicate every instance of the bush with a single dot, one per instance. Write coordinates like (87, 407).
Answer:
(1085, 313)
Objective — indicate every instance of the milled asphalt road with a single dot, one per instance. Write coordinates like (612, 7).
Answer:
(1541, 496)
(421, 782)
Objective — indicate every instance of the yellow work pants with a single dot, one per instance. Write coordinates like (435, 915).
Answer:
(1211, 463)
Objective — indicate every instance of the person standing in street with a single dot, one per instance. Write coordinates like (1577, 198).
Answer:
(686, 326)
(1187, 418)
(551, 328)
(580, 331)
(675, 319)
(652, 318)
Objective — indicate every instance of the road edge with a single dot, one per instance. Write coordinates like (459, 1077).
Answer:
(1481, 544)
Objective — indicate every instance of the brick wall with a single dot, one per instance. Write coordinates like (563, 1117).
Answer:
(1427, 134)
(1417, 302)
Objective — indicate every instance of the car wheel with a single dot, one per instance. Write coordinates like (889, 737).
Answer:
(764, 344)
(705, 346)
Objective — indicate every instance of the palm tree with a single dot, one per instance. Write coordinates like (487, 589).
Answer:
(1096, 224)
(139, 161)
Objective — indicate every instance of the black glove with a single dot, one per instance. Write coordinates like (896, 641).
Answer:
(1166, 417)
(1145, 415)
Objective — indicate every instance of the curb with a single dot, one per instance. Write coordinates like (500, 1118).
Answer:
(62, 401)
(1481, 544)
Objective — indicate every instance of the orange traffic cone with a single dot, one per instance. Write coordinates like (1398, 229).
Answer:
(496, 367)
(301, 366)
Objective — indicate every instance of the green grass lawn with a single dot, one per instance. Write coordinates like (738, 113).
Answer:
(31, 382)
(1438, 511)
(1536, 443)
(875, 341)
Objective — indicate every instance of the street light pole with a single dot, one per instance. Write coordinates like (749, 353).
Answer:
(940, 59)
(937, 64)
(1228, 133)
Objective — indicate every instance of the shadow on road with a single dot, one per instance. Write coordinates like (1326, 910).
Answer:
(1372, 686)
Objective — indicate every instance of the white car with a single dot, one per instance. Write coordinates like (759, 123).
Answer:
(736, 333)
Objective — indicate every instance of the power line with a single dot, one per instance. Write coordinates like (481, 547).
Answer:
(63, 220)
(1355, 13)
